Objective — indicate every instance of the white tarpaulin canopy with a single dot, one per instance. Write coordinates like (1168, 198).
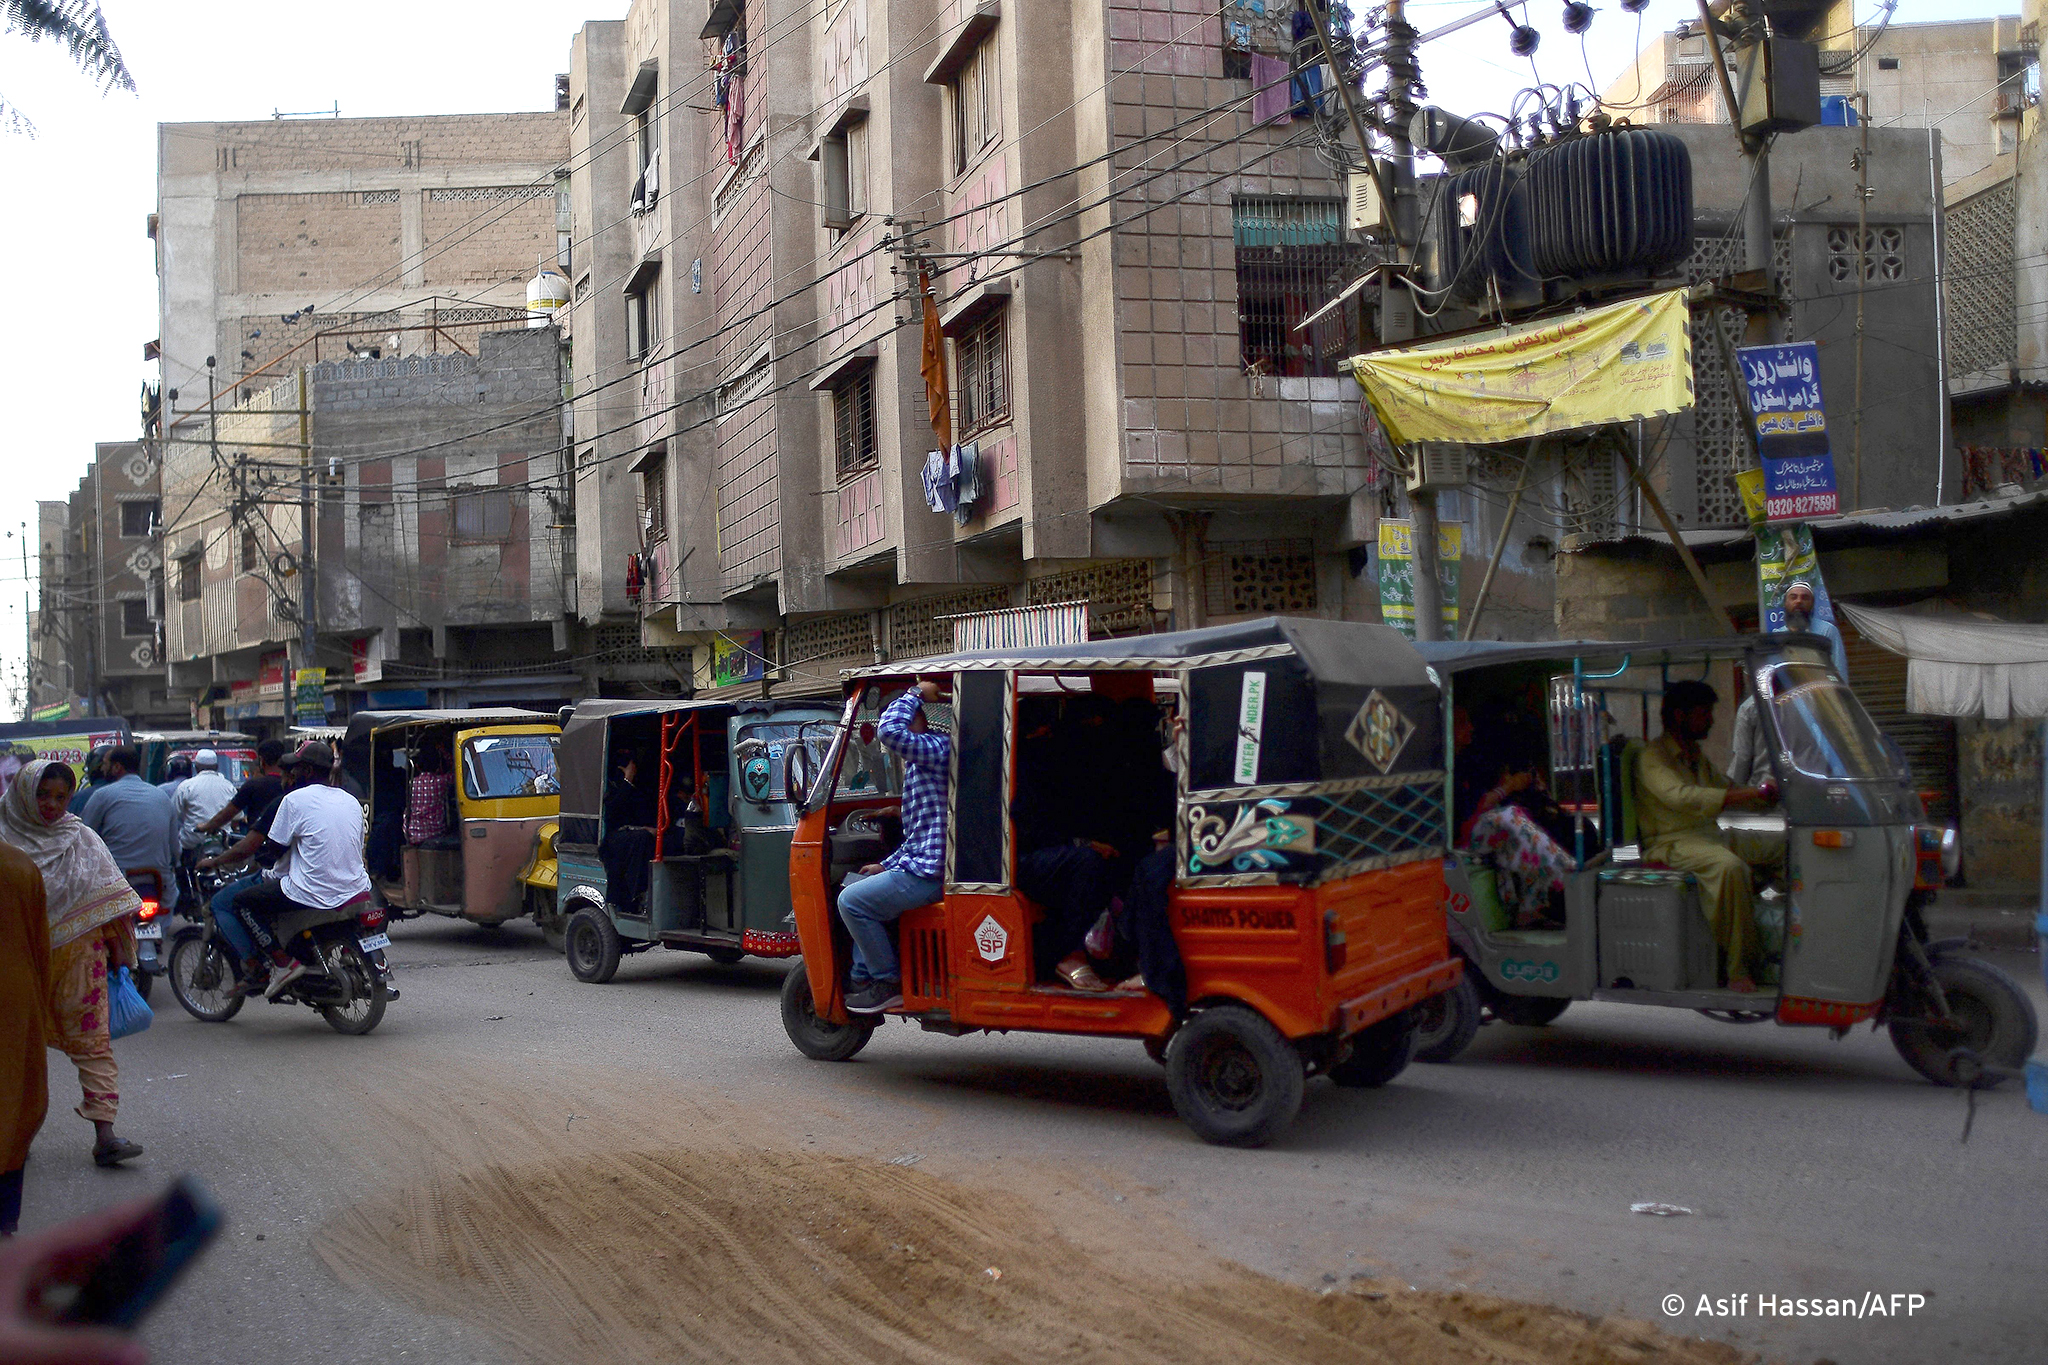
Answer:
(1963, 665)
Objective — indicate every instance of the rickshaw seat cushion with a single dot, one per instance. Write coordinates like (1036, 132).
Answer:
(1485, 884)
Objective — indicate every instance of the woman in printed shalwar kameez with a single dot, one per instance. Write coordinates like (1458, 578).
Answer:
(92, 931)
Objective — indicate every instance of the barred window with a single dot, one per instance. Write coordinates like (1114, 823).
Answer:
(654, 496)
(1292, 258)
(983, 360)
(977, 106)
(138, 518)
(250, 554)
(188, 577)
(135, 617)
(853, 424)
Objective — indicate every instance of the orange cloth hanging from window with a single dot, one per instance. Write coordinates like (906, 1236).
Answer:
(933, 365)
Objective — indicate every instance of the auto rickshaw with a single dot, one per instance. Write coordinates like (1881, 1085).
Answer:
(502, 792)
(237, 751)
(718, 880)
(1307, 840)
(1843, 939)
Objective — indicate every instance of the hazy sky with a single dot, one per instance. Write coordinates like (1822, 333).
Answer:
(79, 269)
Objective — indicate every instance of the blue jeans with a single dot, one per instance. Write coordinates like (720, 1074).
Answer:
(231, 926)
(869, 905)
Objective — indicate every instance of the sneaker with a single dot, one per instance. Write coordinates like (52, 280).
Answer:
(284, 979)
(875, 997)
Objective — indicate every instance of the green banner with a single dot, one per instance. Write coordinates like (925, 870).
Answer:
(1397, 574)
(309, 695)
(56, 710)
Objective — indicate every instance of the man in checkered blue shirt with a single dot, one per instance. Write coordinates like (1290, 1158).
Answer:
(912, 875)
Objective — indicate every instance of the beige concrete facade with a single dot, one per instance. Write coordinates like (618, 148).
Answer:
(1084, 239)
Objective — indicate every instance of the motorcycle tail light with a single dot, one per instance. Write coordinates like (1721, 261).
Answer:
(371, 919)
(150, 910)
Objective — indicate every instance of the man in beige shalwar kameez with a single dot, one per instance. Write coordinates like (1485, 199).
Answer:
(1679, 799)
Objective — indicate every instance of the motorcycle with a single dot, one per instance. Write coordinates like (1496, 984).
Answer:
(149, 928)
(349, 977)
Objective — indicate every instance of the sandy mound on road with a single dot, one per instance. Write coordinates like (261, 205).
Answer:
(725, 1256)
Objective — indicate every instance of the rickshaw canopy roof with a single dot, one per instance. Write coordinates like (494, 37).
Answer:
(355, 743)
(1449, 657)
(580, 763)
(1356, 653)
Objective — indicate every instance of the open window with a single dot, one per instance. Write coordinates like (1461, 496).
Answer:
(653, 471)
(977, 108)
(842, 156)
(981, 355)
(643, 310)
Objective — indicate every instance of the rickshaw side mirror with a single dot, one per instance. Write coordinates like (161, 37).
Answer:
(797, 773)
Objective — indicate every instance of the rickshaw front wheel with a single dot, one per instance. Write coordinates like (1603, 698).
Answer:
(1993, 1020)
(1233, 1078)
(593, 946)
(1446, 1024)
(819, 1039)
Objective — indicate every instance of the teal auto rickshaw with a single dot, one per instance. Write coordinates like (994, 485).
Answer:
(712, 775)
(1841, 934)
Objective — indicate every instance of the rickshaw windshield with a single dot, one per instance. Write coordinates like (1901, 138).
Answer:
(777, 736)
(1825, 728)
(495, 767)
(869, 769)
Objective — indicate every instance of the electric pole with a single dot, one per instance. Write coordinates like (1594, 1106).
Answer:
(308, 587)
(1397, 305)
(28, 636)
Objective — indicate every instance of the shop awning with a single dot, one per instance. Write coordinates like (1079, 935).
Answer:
(1961, 665)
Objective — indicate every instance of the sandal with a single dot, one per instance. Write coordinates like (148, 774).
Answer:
(1080, 976)
(115, 1152)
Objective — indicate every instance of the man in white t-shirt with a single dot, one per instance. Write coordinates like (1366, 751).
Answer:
(318, 835)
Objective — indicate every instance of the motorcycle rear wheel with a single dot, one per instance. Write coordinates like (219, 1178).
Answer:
(365, 1009)
(201, 972)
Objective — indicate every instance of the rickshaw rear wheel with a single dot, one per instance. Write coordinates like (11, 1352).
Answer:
(1378, 1053)
(1446, 1024)
(1993, 1020)
(593, 946)
(1233, 1078)
(819, 1039)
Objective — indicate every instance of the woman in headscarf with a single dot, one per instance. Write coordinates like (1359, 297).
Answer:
(92, 930)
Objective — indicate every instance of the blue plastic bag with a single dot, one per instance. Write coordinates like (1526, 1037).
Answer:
(127, 1011)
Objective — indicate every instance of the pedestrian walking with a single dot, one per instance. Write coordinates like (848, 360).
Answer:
(90, 911)
(24, 1022)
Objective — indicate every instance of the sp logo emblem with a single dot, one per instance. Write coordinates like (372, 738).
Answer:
(991, 940)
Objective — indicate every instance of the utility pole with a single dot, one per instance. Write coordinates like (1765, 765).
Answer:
(28, 636)
(1397, 305)
(309, 599)
(1863, 193)
(1757, 241)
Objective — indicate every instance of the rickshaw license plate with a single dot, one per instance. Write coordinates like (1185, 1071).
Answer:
(155, 931)
(376, 941)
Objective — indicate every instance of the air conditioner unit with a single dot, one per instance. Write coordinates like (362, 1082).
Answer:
(1434, 465)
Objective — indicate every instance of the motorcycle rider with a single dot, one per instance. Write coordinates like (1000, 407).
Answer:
(134, 820)
(317, 831)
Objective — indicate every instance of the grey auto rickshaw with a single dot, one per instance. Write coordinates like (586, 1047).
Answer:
(1842, 939)
(473, 857)
(712, 772)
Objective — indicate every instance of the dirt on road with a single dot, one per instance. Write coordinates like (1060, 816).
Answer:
(714, 1253)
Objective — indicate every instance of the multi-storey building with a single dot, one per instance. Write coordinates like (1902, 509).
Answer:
(102, 591)
(1965, 77)
(373, 272)
(1125, 237)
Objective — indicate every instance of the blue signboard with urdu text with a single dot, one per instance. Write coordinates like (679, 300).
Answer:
(1791, 430)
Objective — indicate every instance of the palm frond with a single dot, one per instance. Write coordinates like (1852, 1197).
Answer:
(81, 28)
(12, 120)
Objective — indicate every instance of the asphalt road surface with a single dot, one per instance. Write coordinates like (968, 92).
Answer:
(351, 1166)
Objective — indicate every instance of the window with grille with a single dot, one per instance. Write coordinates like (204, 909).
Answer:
(138, 518)
(1258, 578)
(135, 617)
(983, 359)
(977, 106)
(188, 578)
(654, 496)
(251, 555)
(853, 424)
(1292, 258)
(483, 514)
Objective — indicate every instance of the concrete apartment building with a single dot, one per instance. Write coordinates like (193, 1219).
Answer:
(383, 265)
(1964, 77)
(99, 626)
(1154, 435)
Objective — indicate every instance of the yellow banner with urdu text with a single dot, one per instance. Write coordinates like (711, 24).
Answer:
(1609, 364)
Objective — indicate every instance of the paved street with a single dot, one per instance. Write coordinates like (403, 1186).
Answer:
(381, 1189)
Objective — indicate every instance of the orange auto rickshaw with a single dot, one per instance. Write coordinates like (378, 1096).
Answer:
(1307, 837)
